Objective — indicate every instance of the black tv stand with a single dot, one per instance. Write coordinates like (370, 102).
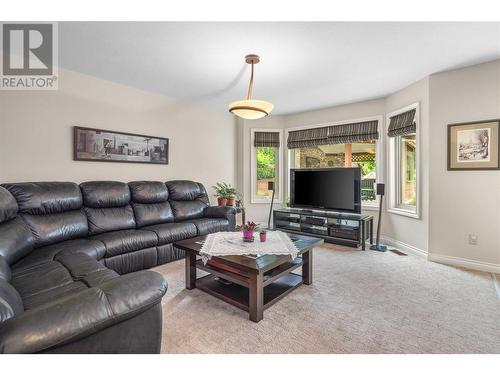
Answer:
(341, 228)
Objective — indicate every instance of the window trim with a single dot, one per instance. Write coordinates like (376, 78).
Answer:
(379, 158)
(278, 198)
(392, 163)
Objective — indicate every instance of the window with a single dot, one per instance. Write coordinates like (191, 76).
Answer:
(407, 179)
(403, 158)
(266, 164)
(267, 170)
(360, 154)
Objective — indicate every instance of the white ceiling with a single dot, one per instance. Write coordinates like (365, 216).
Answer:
(303, 65)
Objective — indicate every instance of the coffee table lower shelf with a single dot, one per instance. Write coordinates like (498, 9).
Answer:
(238, 295)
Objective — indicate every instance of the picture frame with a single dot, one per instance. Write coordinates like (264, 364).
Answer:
(474, 146)
(92, 144)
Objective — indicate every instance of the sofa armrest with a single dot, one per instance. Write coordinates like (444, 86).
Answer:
(82, 314)
(219, 212)
(222, 212)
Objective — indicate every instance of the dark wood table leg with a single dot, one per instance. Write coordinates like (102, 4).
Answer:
(190, 264)
(307, 267)
(256, 297)
(363, 235)
(371, 231)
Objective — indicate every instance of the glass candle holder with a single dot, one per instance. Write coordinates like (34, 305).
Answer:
(248, 235)
(262, 236)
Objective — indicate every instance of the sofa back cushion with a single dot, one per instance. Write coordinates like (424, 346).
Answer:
(187, 198)
(107, 205)
(8, 206)
(52, 210)
(150, 203)
(16, 239)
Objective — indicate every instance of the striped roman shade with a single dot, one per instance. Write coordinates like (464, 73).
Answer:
(355, 132)
(402, 124)
(346, 133)
(308, 137)
(266, 139)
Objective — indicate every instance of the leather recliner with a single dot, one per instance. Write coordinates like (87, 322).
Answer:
(73, 261)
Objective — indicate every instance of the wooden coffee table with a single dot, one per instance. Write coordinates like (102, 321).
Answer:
(252, 284)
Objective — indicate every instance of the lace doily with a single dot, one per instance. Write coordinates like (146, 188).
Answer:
(231, 243)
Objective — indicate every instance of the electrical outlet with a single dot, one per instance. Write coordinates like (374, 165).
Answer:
(472, 239)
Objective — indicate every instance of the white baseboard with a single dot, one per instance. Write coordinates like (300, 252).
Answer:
(465, 263)
(496, 283)
(445, 259)
(404, 247)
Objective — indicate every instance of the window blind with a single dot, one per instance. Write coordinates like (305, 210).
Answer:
(266, 139)
(402, 124)
(346, 133)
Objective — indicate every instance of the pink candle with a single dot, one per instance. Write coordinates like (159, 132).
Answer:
(263, 237)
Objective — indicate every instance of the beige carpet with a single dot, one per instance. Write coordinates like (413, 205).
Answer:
(360, 302)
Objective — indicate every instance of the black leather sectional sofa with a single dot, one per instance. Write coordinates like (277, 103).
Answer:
(73, 260)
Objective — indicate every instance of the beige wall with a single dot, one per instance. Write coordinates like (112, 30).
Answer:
(463, 202)
(340, 113)
(36, 133)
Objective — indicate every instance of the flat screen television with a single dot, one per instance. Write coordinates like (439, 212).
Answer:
(336, 189)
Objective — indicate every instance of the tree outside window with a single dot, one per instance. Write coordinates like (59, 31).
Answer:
(267, 170)
(408, 170)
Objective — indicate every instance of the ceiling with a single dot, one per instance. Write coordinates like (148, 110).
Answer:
(304, 65)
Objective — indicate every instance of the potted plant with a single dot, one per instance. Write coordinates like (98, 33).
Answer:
(225, 193)
(248, 231)
(231, 194)
(220, 193)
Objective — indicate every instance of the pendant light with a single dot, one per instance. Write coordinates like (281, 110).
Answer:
(251, 109)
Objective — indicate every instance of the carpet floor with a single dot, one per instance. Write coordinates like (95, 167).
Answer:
(359, 302)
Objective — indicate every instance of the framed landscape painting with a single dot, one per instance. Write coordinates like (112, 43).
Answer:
(474, 145)
(91, 144)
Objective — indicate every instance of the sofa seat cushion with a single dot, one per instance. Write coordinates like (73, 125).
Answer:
(125, 241)
(40, 278)
(65, 275)
(171, 232)
(92, 248)
(34, 300)
(206, 226)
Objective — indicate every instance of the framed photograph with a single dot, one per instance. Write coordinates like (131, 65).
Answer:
(106, 145)
(473, 145)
